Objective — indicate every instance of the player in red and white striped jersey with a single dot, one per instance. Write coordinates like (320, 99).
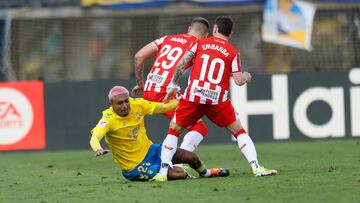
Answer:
(168, 51)
(215, 60)
(210, 78)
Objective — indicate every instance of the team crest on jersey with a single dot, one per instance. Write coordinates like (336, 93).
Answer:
(102, 123)
(108, 115)
(138, 116)
(124, 123)
(210, 94)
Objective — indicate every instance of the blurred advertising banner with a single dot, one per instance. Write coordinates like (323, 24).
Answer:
(2, 39)
(300, 106)
(124, 4)
(22, 124)
(288, 22)
(224, 2)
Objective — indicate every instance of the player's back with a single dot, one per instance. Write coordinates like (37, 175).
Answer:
(215, 60)
(171, 49)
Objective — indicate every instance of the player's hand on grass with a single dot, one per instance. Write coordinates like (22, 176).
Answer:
(101, 152)
(136, 89)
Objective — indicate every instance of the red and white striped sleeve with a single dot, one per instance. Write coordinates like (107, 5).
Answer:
(193, 48)
(159, 41)
(236, 64)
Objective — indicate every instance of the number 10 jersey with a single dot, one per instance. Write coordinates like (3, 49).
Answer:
(215, 60)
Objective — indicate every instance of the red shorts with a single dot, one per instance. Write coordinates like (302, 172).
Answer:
(198, 125)
(188, 113)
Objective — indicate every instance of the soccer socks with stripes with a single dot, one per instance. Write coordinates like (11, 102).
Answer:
(191, 140)
(168, 150)
(247, 147)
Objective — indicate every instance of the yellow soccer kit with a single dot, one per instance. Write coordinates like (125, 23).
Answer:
(126, 136)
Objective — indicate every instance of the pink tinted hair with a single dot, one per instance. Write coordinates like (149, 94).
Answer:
(117, 90)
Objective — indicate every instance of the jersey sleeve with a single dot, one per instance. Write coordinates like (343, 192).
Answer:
(193, 48)
(103, 126)
(159, 41)
(236, 64)
(148, 107)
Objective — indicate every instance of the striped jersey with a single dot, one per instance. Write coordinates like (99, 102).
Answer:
(215, 60)
(171, 49)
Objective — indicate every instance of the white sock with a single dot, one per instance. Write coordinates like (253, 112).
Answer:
(168, 150)
(247, 147)
(206, 174)
(191, 140)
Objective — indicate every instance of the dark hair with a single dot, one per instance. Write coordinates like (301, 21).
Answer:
(202, 21)
(224, 24)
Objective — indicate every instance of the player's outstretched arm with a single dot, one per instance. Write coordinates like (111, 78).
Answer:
(165, 107)
(95, 144)
(144, 53)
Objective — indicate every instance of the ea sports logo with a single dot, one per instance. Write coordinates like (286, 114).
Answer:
(16, 116)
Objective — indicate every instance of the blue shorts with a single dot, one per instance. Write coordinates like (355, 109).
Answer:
(148, 168)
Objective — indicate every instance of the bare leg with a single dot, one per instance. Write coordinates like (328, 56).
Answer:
(183, 156)
(176, 173)
(235, 127)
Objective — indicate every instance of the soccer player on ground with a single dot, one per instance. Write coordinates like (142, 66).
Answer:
(168, 51)
(122, 125)
(215, 60)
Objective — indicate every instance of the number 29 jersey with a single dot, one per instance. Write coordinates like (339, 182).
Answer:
(171, 49)
(215, 60)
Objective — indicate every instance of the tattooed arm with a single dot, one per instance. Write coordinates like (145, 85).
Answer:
(146, 52)
(180, 68)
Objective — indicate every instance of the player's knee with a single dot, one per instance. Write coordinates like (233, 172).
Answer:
(184, 156)
(175, 129)
(193, 159)
(173, 132)
(201, 128)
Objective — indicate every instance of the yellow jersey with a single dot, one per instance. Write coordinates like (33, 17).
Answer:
(126, 136)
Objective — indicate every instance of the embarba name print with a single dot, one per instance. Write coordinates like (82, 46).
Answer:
(217, 48)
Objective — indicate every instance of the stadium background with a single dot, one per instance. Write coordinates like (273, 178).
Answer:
(79, 52)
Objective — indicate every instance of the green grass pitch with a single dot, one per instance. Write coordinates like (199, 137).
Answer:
(312, 171)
